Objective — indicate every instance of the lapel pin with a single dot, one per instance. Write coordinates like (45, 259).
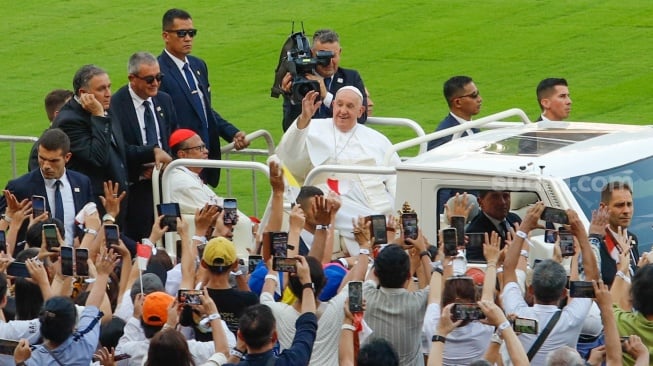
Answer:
(76, 189)
(158, 108)
(340, 80)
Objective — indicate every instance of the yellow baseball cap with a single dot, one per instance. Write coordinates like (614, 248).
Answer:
(219, 252)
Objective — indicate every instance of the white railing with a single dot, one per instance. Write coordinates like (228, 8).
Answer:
(401, 122)
(229, 149)
(356, 169)
(12, 140)
(491, 121)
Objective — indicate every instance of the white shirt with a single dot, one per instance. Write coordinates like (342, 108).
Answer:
(566, 331)
(321, 143)
(325, 348)
(462, 121)
(68, 204)
(140, 114)
(464, 344)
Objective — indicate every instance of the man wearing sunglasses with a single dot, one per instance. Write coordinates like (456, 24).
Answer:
(464, 101)
(187, 83)
(145, 115)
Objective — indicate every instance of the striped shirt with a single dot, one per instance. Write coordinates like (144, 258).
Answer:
(397, 315)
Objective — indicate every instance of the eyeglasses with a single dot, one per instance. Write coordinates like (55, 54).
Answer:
(181, 33)
(150, 78)
(473, 95)
(200, 147)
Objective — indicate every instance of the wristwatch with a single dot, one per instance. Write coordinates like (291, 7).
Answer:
(322, 227)
(310, 285)
(214, 316)
(438, 338)
(595, 240)
(108, 217)
(6, 218)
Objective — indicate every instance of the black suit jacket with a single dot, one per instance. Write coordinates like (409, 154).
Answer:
(481, 224)
(342, 77)
(33, 183)
(448, 122)
(97, 146)
(609, 266)
(189, 117)
(122, 107)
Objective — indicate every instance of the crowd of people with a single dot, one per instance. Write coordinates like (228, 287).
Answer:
(292, 301)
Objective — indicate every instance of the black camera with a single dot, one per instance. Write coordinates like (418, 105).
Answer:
(301, 62)
(297, 59)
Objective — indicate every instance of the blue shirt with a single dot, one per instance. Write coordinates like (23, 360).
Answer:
(72, 352)
(300, 351)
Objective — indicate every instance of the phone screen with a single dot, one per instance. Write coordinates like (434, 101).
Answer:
(378, 229)
(279, 244)
(190, 297)
(467, 312)
(555, 215)
(523, 325)
(253, 261)
(7, 347)
(409, 223)
(450, 242)
(38, 206)
(50, 232)
(18, 269)
(550, 236)
(458, 223)
(67, 261)
(230, 211)
(111, 235)
(3, 241)
(170, 212)
(280, 264)
(355, 296)
(566, 243)
(81, 262)
(581, 289)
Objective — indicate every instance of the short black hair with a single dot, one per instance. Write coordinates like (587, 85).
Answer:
(378, 352)
(34, 234)
(55, 100)
(256, 325)
(111, 332)
(308, 192)
(454, 86)
(392, 266)
(55, 139)
(170, 16)
(317, 276)
(546, 86)
(641, 290)
(58, 319)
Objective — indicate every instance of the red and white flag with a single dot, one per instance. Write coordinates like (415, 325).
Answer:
(143, 254)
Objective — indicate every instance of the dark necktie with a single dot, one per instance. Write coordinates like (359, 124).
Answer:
(150, 126)
(197, 101)
(58, 201)
(324, 110)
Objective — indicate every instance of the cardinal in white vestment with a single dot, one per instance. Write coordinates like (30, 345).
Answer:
(341, 141)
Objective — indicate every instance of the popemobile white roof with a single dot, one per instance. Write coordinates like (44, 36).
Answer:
(566, 149)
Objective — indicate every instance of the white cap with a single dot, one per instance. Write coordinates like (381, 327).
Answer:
(352, 88)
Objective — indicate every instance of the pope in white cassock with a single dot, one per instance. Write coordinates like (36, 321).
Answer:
(341, 141)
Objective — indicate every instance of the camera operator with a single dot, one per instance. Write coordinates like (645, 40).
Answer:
(331, 78)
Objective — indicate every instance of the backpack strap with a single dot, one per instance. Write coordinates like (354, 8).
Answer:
(545, 333)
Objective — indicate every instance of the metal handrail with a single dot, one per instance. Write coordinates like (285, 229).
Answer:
(456, 131)
(250, 137)
(228, 149)
(12, 140)
(403, 122)
(356, 169)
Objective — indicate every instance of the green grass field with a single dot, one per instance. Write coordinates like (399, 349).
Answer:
(403, 49)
